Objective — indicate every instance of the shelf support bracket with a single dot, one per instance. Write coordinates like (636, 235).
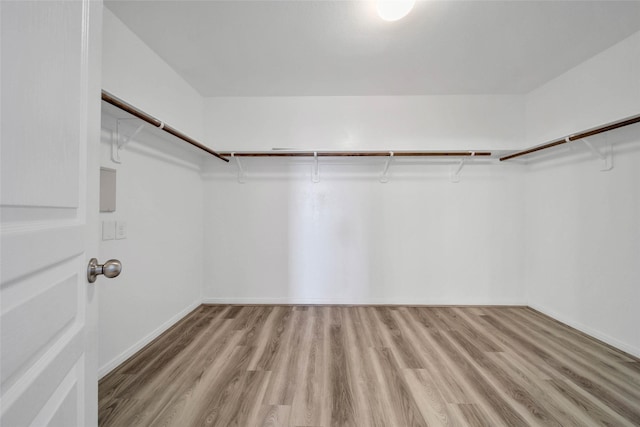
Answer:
(315, 174)
(569, 141)
(241, 179)
(384, 178)
(455, 171)
(120, 140)
(606, 157)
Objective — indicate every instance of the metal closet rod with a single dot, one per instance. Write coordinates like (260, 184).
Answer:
(115, 101)
(575, 137)
(356, 153)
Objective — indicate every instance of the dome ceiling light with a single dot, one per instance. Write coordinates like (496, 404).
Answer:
(392, 10)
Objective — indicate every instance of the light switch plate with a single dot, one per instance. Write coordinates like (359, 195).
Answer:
(108, 230)
(121, 230)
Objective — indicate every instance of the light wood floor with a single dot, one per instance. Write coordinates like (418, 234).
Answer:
(372, 366)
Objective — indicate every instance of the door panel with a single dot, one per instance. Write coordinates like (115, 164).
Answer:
(26, 400)
(41, 49)
(64, 410)
(50, 315)
(50, 129)
(27, 250)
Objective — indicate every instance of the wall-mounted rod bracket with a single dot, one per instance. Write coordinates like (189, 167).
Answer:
(315, 174)
(455, 171)
(384, 178)
(241, 179)
(606, 157)
(121, 137)
(568, 141)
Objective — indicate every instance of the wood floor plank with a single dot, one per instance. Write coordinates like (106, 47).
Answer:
(273, 416)
(308, 401)
(402, 401)
(289, 367)
(219, 392)
(396, 340)
(340, 389)
(485, 389)
(513, 386)
(602, 388)
(453, 386)
(472, 415)
(187, 369)
(252, 389)
(433, 407)
(277, 331)
(371, 328)
(539, 388)
(366, 389)
(597, 411)
(153, 358)
(465, 326)
(583, 356)
(634, 367)
(594, 344)
(371, 366)
(598, 365)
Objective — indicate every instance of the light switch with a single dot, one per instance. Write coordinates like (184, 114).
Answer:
(121, 230)
(108, 230)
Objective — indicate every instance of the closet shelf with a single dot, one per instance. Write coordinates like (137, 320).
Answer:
(278, 153)
(458, 158)
(119, 103)
(574, 137)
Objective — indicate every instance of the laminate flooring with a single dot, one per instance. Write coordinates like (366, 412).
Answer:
(372, 366)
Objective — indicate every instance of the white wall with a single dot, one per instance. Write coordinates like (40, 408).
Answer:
(350, 239)
(603, 89)
(582, 225)
(159, 195)
(418, 239)
(136, 74)
(455, 122)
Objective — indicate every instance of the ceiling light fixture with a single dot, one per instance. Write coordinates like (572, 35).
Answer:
(392, 10)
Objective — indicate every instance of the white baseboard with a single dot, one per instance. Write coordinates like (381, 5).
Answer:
(118, 360)
(363, 301)
(634, 351)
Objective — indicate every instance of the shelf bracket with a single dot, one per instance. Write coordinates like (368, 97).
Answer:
(606, 157)
(455, 171)
(569, 141)
(315, 174)
(241, 179)
(384, 178)
(121, 139)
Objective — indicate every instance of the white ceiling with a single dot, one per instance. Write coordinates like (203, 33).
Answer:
(289, 48)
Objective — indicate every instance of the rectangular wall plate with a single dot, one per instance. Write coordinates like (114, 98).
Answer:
(108, 230)
(107, 190)
(121, 230)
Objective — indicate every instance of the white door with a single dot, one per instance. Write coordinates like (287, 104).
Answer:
(49, 159)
